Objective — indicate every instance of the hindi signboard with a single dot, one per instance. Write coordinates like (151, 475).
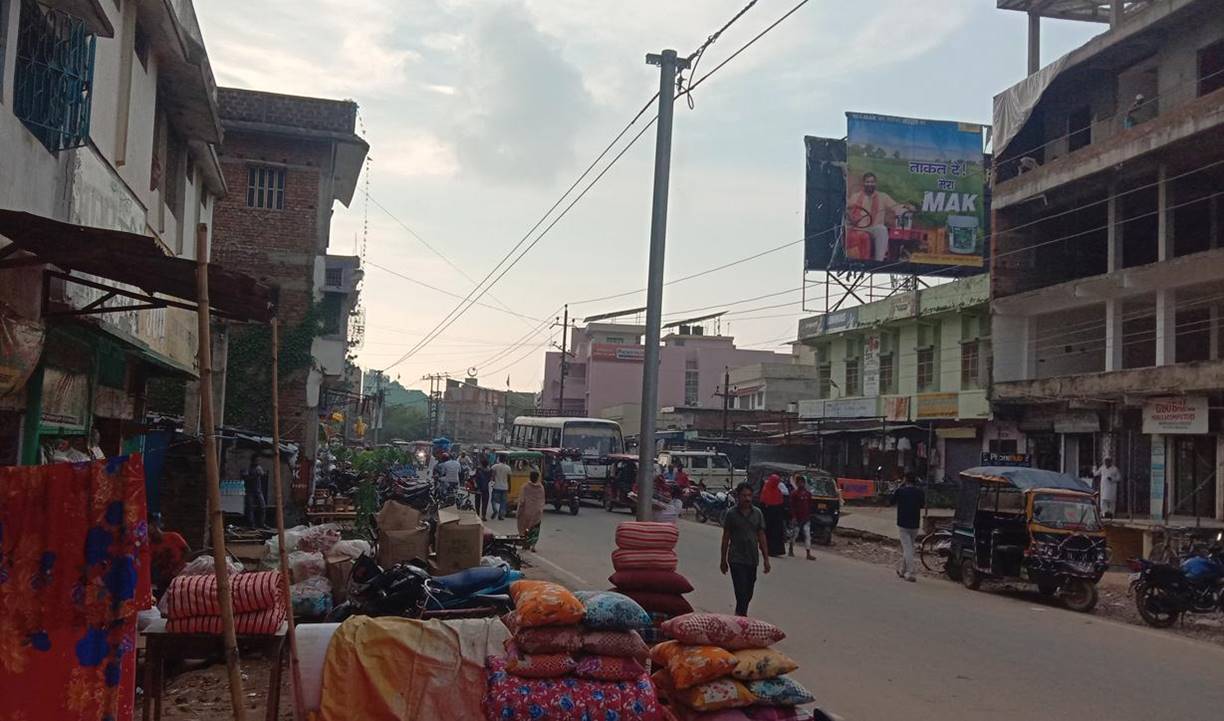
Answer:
(871, 365)
(914, 197)
(1176, 414)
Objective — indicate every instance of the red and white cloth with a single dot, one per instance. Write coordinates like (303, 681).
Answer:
(646, 536)
(256, 623)
(642, 560)
(191, 596)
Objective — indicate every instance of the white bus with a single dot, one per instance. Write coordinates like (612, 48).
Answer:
(595, 437)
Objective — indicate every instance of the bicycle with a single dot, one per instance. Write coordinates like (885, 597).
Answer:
(934, 550)
(1176, 544)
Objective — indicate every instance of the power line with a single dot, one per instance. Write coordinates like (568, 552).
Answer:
(436, 289)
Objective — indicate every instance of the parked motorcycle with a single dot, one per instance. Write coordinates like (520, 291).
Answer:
(409, 591)
(1164, 592)
(711, 505)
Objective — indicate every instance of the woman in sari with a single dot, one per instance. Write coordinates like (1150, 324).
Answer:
(530, 511)
(773, 506)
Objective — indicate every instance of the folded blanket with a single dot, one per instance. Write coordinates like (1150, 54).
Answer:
(646, 536)
(657, 560)
(255, 623)
(190, 596)
(565, 699)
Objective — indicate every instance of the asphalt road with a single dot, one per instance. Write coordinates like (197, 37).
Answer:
(874, 648)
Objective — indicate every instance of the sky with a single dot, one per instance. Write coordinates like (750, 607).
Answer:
(480, 113)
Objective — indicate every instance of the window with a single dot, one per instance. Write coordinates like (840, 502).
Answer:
(926, 369)
(824, 380)
(760, 399)
(971, 365)
(266, 187)
(854, 377)
(330, 309)
(691, 385)
(1211, 68)
(696, 463)
(888, 375)
(616, 340)
(333, 277)
(1079, 128)
(53, 78)
(1002, 445)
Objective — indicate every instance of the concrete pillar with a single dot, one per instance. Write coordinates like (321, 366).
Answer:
(1166, 327)
(1213, 332)
(1115, 13)
(1213, 222)
(1164, 225)
(1028, 349)
(1034, 42)
(1114, 232)
(1113, 335)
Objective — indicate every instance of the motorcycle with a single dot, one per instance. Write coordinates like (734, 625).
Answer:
(711, 505)
(409, 591)
(1163, 592)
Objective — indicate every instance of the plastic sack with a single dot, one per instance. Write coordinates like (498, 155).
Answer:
(317, 538)
(203, 565)
(311, 598)
(272, 546)
(304, 565)
(353, 549)
(495, 562)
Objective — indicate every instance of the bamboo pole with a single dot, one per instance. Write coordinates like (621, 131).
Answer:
(213, 477)
(278, 495)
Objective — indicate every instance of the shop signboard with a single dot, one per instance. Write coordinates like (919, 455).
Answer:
(896, 408)
(618, 353)
(810, 408)
(938, 405)
(65, 399)
(1156, 497)
(1176, 415)
(903, 305)
(1013, 460)
(914, 197)
(851, 408)
(841, 320)
(871, 365)
(811, 326)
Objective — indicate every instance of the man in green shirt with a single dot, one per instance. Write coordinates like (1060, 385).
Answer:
(743, 543)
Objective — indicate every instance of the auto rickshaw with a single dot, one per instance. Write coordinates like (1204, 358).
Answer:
(521, 463)
(1031, 525)
(622, 480)
(564, 477)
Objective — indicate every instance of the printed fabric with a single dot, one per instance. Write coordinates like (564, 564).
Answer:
(190, 596)
(690, 666)
(626, 644)
(646, 536)
(719, 629)
(654, 581)
(780, 691)
(549, 639)
(609, 668)
(510, 698)
(715, 695)
(74, 572)
(537, 665)
(543, 603)
(612, 611)
(624, 559)
(255, 623)
(668, 604)
(753, 664)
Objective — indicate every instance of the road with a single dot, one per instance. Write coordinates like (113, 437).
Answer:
(874, 648)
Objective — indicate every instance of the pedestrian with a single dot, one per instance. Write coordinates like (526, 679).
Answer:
(910, 500)
(1110, 478)
(254, 479)
(449, 474)
(801, 514)
(500, 488)
(682, 479)
(483, 477)
(530, 511)
(773, 504)
(167, 554)
(743, 545)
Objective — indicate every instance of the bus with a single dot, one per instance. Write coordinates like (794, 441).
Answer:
(595, 437)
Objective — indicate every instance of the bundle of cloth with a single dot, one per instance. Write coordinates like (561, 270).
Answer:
(192, 604)
(645, 570)
(571, 656)
(722, 668)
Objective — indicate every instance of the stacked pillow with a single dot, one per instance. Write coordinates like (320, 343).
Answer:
(645, 564)
(716, 662)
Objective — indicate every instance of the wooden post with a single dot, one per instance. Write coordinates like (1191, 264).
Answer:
(213, 477)
(278, 497)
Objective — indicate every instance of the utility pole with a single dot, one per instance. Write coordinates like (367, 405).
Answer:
(726, 397)
(668, 64)
(437, 384)
(565, 356)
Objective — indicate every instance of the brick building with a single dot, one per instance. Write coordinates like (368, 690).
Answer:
(286, 159)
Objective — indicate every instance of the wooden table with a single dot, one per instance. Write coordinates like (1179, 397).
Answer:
(160, 645)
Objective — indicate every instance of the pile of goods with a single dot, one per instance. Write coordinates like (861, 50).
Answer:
(192, 604)
(645, 564)
(572, 656)
(722, 667)
(318, 563)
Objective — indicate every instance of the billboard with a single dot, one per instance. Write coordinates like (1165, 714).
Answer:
(898, 195)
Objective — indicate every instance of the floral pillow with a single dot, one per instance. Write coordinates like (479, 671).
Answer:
(718, 629)
(609, 668)
(693, 665)
(610, 610)
(626, 644)
(566, 699)
(542, 603)
(537, 665)
(549, 639)
(716, 695)
(752, 664)
(780, 691)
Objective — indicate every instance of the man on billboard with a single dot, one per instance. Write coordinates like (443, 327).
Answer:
(871, 211)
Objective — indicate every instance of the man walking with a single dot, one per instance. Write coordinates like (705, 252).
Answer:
(501, 489)
(483, 478)
(254, 478)
(910, 500)
(801, 514)
(1110, 478)
(743, 544)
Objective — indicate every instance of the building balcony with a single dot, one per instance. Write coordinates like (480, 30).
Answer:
(1178, 379)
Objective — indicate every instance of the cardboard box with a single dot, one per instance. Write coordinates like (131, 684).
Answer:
(460, 540)
(403, 545)
(338, 570)
(396, 516)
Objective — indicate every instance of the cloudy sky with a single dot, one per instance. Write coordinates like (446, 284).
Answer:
(480, 113)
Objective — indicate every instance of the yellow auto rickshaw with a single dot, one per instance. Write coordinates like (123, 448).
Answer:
(521, 463)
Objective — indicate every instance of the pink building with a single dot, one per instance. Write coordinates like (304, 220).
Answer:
(605, 369)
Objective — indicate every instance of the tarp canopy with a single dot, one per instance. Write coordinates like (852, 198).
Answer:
(134, 260)
(1026, 478)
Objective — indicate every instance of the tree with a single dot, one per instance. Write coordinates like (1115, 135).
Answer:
(404, 423)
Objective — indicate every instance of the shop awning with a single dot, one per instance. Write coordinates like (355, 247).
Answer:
(133, 260)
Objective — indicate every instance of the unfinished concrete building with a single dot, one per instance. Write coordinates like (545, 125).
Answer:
(1108, 270)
